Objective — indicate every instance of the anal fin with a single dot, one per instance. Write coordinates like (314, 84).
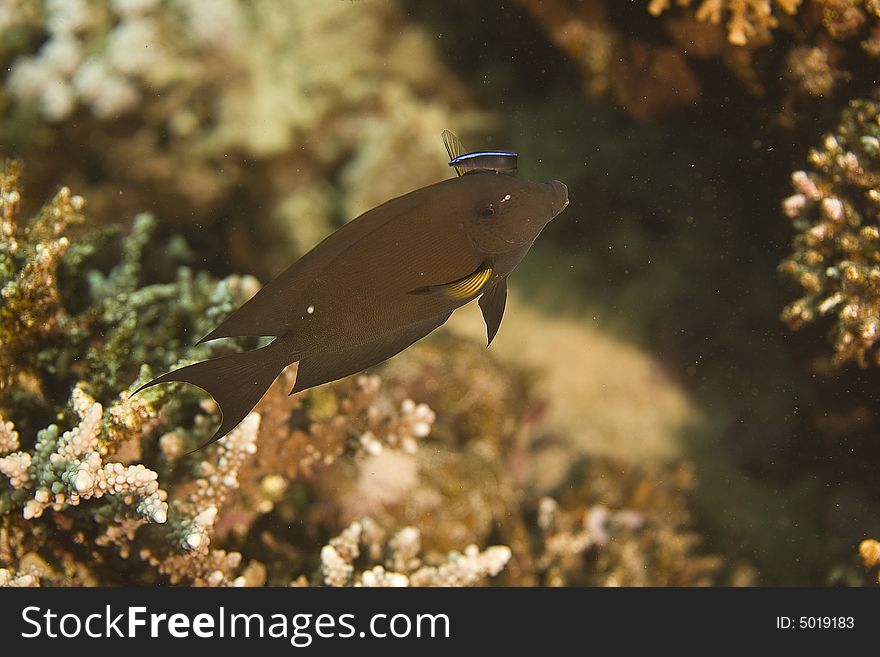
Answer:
(331, 365)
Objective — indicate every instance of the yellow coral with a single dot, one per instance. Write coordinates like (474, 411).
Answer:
(835, 251)
(869, 549)
(29, 259)
(748, 21)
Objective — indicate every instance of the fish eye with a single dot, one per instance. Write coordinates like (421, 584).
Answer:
(488, 211)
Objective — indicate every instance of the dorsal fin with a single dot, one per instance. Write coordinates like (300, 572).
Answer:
(453, 148)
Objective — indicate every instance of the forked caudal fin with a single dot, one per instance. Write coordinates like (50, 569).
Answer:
(236, 382)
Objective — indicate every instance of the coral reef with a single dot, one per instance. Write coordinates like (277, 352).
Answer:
(403, 567)
(299, 437)
(82, 482)
(79, 488)
(563, 455)
(28, 268)
(822, 43)
(628, 529)
(353, 483)
(747, 21)
(138, 324)
(836, 252)
(228, 108)
(65, 469)
(478, 477)
(816, 38)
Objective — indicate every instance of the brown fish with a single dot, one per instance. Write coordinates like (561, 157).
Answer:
(378, 284)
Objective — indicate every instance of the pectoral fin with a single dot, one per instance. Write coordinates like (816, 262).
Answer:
(492, 304)
(463, 288)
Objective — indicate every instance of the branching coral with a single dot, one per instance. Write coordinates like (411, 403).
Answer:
(29, 257)
(194, 514)
(402, 566)
(100, 57)
(356, 417)
(619, 525)
(813, 69)
(822, 30)
(65, 469)
(458, 481)
(752, 22)
(747, 21)
(836, 253)
(8, 438)
(846, 19)
(70, 479)
(637, 535)
(822, 44)
(43, 342)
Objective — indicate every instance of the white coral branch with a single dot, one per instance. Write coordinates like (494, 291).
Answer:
(466, 568)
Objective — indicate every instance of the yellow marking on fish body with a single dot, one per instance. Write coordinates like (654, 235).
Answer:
(469, 285)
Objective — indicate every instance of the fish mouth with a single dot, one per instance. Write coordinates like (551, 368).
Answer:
(558, 197)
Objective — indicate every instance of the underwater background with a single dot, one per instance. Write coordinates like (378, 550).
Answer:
(684, 388)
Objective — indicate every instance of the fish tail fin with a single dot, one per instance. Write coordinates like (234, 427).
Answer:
(236, 382)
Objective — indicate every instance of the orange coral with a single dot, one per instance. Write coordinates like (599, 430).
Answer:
(646, 78)
(748, 21)
(301, 435)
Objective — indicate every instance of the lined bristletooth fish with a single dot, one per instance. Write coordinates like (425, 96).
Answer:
(383, 281)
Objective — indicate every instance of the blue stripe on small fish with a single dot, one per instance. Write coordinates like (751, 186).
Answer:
(470, 156)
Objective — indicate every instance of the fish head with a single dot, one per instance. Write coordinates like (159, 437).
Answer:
(502, 213)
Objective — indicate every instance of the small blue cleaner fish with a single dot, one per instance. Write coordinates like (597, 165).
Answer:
(494, 161)
(383, 281)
